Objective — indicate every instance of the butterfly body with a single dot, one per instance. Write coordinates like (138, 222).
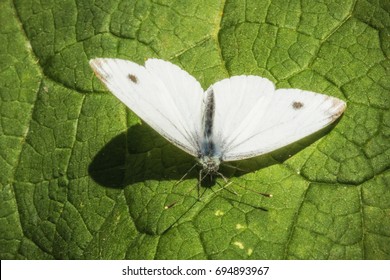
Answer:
(209, 155)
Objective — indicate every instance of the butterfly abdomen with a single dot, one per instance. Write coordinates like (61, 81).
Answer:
(208, 146)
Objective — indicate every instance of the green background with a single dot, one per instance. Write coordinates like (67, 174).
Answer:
(82, 178)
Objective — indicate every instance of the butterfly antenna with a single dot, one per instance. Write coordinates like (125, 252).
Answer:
(231, 182)
(222, 187)
(225, 187)
(256, 192)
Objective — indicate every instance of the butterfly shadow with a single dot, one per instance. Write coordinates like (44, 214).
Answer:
(141, 154)
(137, 155)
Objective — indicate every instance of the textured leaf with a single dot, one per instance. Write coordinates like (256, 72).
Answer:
(83, 178)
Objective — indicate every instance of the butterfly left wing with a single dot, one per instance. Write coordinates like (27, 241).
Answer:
(161, 94)
(253, 118)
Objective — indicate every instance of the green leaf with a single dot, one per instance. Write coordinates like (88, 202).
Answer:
(83, 178)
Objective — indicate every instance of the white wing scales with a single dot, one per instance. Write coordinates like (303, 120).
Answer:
(161, 94)
(252, 118)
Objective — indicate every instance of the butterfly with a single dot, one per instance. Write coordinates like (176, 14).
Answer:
(234, 119)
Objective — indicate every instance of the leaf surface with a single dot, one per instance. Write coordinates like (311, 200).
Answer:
(83, 178)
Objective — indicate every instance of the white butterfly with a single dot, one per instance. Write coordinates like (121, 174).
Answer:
(235, 118)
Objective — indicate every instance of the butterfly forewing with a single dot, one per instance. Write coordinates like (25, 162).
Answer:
(252, 118)
(161, 94)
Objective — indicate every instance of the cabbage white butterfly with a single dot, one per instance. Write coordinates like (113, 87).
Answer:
(234, 119)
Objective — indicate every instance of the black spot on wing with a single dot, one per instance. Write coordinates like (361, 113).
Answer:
(297, 105)
(133, 78)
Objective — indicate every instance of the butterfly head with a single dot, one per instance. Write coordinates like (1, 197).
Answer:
(210, 164)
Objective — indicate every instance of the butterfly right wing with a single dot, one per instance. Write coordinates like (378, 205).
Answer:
(163, 95)
(253, 118)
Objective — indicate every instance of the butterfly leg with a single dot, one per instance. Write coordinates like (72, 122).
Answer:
(199, 182)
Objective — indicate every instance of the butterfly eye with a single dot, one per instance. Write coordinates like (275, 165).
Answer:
(133, 78)
(297, 105)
